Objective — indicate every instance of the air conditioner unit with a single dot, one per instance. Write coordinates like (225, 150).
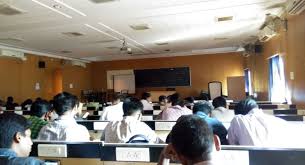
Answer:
(12, 54)
(266, 34)
(78, 63)
(295, 7)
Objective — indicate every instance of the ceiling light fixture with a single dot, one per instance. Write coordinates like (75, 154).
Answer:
(96, 29)
(53, 9)
(70, 7)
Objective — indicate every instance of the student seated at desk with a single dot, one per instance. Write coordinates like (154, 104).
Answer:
(146, 101)
(176, 109)
(40, 115)
(131, 125)
(251, 126)
(64, 128)
(192, 143)
(10, 105)
(220, 112)
(115, 111)
(15, 141)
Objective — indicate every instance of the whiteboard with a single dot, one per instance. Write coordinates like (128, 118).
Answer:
(215, 89)
(124, 82)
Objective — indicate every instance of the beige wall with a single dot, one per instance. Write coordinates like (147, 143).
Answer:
(18, 78)
(290, 45)
(204, 68)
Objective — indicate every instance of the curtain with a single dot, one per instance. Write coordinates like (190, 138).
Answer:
(277, 85)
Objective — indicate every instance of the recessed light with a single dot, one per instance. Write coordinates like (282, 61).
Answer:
(51, 8)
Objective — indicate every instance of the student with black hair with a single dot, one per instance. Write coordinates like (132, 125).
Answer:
(146, 101)
(10, 105)
(15, 141)
(40, 115)
(220, 112)
(192, 143)
(203, 110)
(131, 125)
(176, 109)
(251, 126)
(64, 128)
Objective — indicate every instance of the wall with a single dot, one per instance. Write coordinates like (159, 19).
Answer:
(290, 45)
(204, 68)
(18, 78)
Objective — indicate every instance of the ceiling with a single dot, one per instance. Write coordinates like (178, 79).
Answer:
(175, 27)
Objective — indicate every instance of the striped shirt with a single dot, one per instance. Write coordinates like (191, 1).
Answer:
(64, 129)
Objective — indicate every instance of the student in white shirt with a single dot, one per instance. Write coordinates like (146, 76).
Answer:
(146, 101)
(131, 125)
(115, 111)
(64, 128)
(220, 112)
(192, 143)
(251, 126)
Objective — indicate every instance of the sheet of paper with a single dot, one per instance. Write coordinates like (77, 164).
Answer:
(164, 126)
(99, 125)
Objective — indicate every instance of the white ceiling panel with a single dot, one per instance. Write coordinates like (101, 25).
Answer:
(186, 25)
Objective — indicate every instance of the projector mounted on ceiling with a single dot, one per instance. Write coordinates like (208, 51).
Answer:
(125, 49)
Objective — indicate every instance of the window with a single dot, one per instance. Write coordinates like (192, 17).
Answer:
(277, 85)
(248, 86)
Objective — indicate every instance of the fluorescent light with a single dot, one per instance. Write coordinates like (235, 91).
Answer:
(98, 30)
(57, 11)
(70, 7)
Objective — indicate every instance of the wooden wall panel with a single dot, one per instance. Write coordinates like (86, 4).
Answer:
(204, 68)
(18, 78)
(290, 45)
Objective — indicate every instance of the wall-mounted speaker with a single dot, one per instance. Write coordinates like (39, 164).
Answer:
(258, 48)
(41, 64)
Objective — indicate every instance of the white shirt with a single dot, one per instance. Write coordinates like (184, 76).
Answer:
(174, 112)
(113, 112)
(222, 114)
(258, 129)
(122, 131)
(146, 105)
(64, 129)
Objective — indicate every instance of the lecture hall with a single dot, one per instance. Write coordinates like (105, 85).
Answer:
(159, 82)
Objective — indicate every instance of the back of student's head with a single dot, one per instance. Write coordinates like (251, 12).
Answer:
(145, 95)
(40, 107)
(219, 102)
(131, 106)
(174, 99)
(245, 106)
(64, 102)
(162, 98)
(10, 125)
(203, 106)
(192, 138)
(118, 97)
(189, 99)
(9, 100)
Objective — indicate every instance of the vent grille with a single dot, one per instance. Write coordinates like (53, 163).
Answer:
(9, 10)
(220, 38)
(140, 27)
(73, 34)
(226, 18)
(65, 51)
(162, 43)
(102, 1)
